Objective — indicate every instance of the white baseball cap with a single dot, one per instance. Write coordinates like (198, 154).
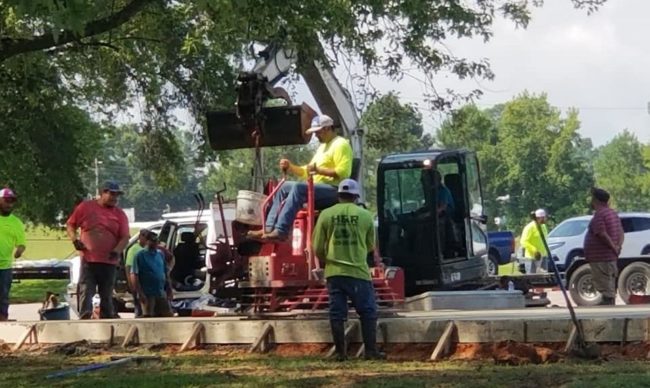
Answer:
(540, 213)
(7, 193)
(320, 122)
(349, 186)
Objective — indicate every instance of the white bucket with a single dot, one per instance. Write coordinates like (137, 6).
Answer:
(249, 207)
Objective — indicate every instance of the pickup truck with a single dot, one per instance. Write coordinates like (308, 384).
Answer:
(501, 246)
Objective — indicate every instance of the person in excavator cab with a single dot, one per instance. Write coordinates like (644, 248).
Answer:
(331, 164)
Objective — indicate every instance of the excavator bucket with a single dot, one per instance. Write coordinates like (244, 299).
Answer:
(283, 125)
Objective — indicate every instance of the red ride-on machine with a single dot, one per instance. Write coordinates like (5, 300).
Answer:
(276, 276)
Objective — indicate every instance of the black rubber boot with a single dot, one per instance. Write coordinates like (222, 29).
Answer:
(369, 334)
(338, 336)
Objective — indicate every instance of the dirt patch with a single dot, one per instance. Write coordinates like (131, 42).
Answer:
(79, 348)
(408, 352)
(631, 351)
(507, 353)
(297, 350)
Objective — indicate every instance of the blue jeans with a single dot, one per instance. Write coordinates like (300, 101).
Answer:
(6, 276)
(361, 292)
(294, 195)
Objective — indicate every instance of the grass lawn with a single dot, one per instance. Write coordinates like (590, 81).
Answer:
(42, 243)
(29, 291)
(47, 243)
(237, 370)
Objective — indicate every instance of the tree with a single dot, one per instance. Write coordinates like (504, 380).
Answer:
(620, 169)
(155, 56)
(390, 127)
(528, 151)
(475, 129)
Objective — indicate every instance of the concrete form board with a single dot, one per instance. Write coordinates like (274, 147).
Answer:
(398, 330)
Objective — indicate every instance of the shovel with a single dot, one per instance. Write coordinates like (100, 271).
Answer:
(580, 347)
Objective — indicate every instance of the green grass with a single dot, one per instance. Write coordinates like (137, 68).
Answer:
(30, 291)
(47, 243)
(237, 370)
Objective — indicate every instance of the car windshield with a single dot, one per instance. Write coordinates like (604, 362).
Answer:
(570, 228)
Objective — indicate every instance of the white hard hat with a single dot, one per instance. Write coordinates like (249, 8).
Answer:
(539, 213)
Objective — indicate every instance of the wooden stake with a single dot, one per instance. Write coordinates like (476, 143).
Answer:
(444, 343)
(111, 339)
(131, 336)
(197, 332)
(572, 339)
(626, 323)
(349, 330)
(263, 341)
(23, 339)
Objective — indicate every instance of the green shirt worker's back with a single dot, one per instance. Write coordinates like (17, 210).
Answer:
(343, 236)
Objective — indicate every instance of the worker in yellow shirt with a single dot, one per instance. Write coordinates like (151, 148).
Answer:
(532, 243)
(12, 246)
(331, 163)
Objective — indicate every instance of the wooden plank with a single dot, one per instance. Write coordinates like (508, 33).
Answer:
(444, 343)
(195, 336)
(262, 341)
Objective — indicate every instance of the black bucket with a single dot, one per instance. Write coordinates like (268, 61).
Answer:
(283, 125)
(60, 313)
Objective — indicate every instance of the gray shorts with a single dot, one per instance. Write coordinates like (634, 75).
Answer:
(156, 306)
(603, 275)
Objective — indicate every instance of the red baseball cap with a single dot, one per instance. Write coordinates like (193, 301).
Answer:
(7, 193)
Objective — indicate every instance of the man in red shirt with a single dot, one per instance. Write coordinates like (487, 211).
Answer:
(104, 235)
(603, 243)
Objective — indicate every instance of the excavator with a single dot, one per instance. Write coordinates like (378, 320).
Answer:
(419, 249)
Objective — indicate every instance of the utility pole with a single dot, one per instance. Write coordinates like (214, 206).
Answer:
(97, 163)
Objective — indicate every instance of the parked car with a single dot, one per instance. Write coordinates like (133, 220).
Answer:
(566, 240)
(501, 246)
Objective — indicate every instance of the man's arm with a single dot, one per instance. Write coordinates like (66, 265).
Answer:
(123, 232)
(20, 242)
(600, 230)
(135, 279)
(526, 243)
(131, 279)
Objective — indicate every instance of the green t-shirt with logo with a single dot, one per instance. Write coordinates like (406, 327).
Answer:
(12, 234)
(343, 236)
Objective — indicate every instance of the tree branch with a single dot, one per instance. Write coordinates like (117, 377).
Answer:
(10, 47)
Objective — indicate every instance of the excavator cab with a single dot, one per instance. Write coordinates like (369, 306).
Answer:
(431, 221)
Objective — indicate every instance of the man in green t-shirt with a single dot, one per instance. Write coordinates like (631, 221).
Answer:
(12, 236)
(128, 265)
(343, 236)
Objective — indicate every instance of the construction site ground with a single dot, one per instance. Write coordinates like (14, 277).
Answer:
(295, 367)
(524, 348)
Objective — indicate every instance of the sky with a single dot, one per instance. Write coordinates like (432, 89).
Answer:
(598, 63)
